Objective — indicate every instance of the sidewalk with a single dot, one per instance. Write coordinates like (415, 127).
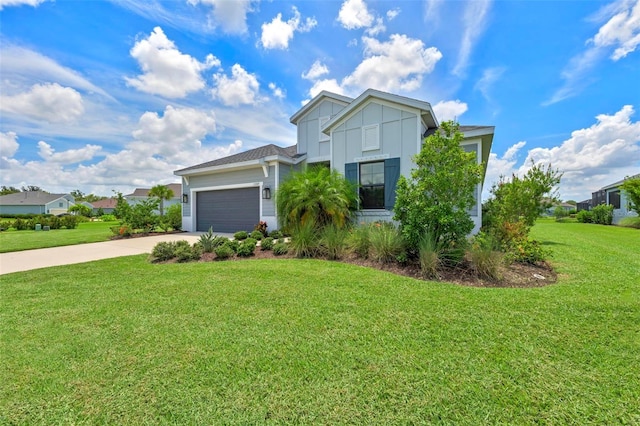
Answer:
(55, 256)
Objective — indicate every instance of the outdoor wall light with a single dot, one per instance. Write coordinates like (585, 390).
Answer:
(185, 198)
(266, 193)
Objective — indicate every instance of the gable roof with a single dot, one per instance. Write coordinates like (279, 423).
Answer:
(256, 154)
(107, 203)
(316, 100)
(144, 192)
(31, 198)
(620, 182)
(426, 112)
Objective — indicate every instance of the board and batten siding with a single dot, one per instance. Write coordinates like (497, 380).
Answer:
(309, 131)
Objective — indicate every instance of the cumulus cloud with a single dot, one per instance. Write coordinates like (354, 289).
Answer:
(622, 31)
(504, 165)
(329, 84)
(393, 13)
(354, 14)
(6, 3)
(277, 34)
(70, 156)
(8, 144)
(317, 70)
(277, 92)
(241, 88)
(396, 65)
(167, 71)
(50, 102)
(230, 16)
(449, 110)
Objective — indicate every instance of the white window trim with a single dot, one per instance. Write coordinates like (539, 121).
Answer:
(364, 138)
(321, 121)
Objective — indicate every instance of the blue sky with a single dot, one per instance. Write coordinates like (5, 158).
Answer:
(103, 96)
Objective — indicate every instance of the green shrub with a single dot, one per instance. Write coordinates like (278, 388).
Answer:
(429, 257)
(123, 230)
(218, 241)
(559, 213)
(256, 235)
(233, 244)
(275, 234)
(108, 218)
(333, 242)
(602, 214)
(386, 242)
(305, 240)
(69, 222)
(20, 224)
(631, 222)
(358, 240)
(184, 252)
(162, 252)
(241, 235)
(247, 248)
(527, 251)
(173, 217)
(224, 251)
(266, 244)
(485, 259)
(207, 241)
(280, 249)
(584, 216)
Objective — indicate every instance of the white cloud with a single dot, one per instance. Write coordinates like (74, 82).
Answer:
(318, 69)
(396, 65)
(501, 166)
(277, 92)
(393, 13)
(354, 14)
(50, 102)
(241, 88)
(70, 156)
(167, 71)
(277, 34)
(231, 16)
(490, 76)
(376, 29)
(330, 85)
(621, 31)
(8, 144)
(474, 20)
(449, 110)
(6, 3)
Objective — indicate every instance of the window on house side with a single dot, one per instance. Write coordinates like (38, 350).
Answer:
(370, 138)
(372, 185)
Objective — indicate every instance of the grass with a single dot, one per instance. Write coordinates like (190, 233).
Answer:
(86, 232)
(307, 341)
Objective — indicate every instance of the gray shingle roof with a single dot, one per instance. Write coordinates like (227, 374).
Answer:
(29, 198)
(253, 154)
(144, 192)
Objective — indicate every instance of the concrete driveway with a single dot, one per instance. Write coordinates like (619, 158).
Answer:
(55, 256)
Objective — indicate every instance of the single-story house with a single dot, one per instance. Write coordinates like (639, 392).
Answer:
(584, 205)
(564, 206)
(371, 140)
(35, 202)
(140, 194)
(108, 205)
(613, 195)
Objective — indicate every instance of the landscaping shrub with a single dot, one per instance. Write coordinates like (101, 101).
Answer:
(69, 222)
(275, 234)
(584, 216)
(631, 222)
(429, 257)
(173, 217)
(527, 251)
(262, 228)
(218, 241)
(386, 242)
(333, 242)
(162, 252)
(266, 244)
(358, 240)
(280, 249)
(224, 251)
(305, 240)
(256, 235)
(559, 213)
(247, 247)
(107, 218)
(142, 215)
(20, 224)
(241, 235)
(207, 240)
(602, 214)
(122, 231)
(184, 252)
(486, 260)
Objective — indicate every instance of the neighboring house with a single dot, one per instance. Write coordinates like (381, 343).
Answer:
(565, 206)
(140, 194)
(583, 205)
(613, 195)
(108, 205)
(35, 202)
(371, 140)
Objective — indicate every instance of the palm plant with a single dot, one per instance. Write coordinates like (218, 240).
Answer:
(162, 193)
(317, 195)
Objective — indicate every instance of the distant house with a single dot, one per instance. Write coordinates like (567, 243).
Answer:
(613, 195)
(584, 205)
(108, 205)
(141, 194)
(35, 202)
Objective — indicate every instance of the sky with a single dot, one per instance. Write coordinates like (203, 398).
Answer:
(106, 96)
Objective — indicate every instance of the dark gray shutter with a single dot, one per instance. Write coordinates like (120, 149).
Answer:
(391, 176)
(351, 174)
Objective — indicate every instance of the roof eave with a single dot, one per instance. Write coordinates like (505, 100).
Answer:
(239, 165)
(316, 100)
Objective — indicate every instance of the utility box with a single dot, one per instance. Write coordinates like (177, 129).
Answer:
(38, 227)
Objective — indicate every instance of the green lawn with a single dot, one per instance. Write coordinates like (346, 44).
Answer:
(86, 232)
(122, 341)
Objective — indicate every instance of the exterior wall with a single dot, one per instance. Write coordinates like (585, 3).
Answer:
(5, 209)
(309, 131)
(230, 180)
(625, 205)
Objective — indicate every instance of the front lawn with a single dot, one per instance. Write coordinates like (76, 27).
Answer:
(86, 232)
(309, 341)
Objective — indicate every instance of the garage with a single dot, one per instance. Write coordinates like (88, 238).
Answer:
(228, 210)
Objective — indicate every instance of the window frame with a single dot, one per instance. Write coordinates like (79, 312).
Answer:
(369, 187)
(366, 147)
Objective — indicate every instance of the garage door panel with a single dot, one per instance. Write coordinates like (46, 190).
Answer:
(228, 210)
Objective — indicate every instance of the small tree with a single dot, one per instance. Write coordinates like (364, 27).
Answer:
(80, 209)
(435, 200)
(123, 208)
(162, 193)
(632, 188)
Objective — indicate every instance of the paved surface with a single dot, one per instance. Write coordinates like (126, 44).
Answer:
(80, 253)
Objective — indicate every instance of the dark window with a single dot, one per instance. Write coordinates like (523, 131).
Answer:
(372, 185)
(614, 199)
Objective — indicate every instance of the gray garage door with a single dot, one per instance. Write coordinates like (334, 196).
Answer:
(228, 210)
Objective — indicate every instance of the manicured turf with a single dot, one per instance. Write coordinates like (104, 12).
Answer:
(86, 232)
(122, 341)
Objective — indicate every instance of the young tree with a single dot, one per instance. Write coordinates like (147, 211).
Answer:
(435, 199)
(80, 209)
(162, 193)
(632, 188)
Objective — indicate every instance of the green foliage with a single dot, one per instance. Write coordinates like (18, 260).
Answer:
(162, 193)
(266, 244)
(233, 245)
(122, 230)
(386, 242)
(358, 240)
(527, 251)
(275, 234)
(184, 252)
(173, 217)
(207, 240)
(429, 255)
(247, 247)
(81, 209)
(20, 224)
(305, 241)
(241, 235)
(108, 218)
(142, 215)
(631, 187)
(123, 208)
(6, 190)
(486, 260)
(630, 222)
(69, 222)
(317, 195)
(262, 227)
(281, 249)
(559, 213)
(163, 251)
(584, 216)
(224, 251)
(333, 242)
(436, 197)
(256, 235)
(602, 214)
(218, 241)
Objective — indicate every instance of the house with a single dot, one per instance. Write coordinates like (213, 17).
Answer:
(108, 205)
(613, 195)
(141, 194)
(584, 205)
(371, 140)
(564, 206)
(35, 202)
